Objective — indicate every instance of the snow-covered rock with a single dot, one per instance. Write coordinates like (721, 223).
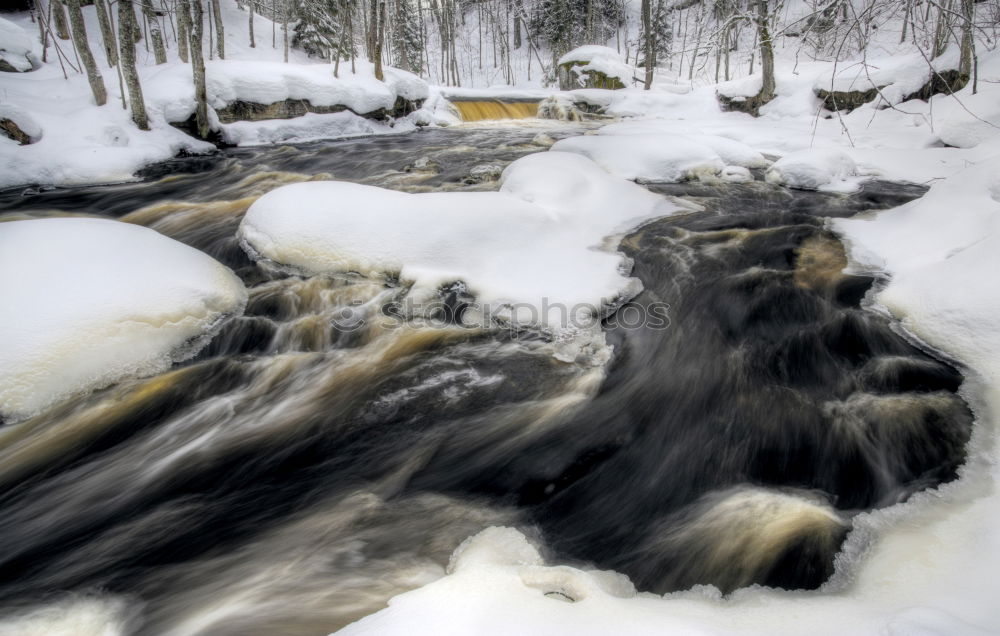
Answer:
(814, 169)
(88, 302)
(886, 80)
(15, 48)
(663, 158)
(21, 118)
(602, 59)
(564, 202)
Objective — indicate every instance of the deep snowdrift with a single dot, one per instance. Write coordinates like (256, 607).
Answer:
(88, 302)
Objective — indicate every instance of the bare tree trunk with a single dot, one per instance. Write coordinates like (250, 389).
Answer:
(968, 45)
(86, 57)
(198, 67)
(59, 14)
(253, 44)
(43, 35)
(126, 26)
(766, 53)
(647, 31)
(183, 29)
(154, 31)
(379, 30)
(107, 32)
(284, 30)
(943, 30)
(220, 31)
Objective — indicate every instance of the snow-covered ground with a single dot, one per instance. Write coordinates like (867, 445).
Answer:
(79, 142)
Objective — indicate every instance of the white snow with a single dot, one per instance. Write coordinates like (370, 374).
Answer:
(896, 76)
(23, 119)
(309, 127)
(663, 158)
(601, 59)
(15, 46)
(84, 143)
(741, 88)
(88, 302)
(564, 202)
(815, 169)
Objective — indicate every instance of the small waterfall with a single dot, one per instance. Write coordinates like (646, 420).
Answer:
(495, 109)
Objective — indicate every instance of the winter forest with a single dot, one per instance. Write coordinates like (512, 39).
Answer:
(499, 317)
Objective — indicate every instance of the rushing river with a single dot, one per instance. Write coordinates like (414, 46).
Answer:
(302, 470)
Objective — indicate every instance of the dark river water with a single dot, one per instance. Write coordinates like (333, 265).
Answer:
(296, 474)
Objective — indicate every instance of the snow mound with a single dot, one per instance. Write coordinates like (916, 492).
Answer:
(815, 169)
(15, 46)
(23, 119)
(309, 127)
(741, 88)
(967, 122)
(556, 280)
(661, 158)
(88, 302)
(601, 59)
(731, 152)
(896, 77)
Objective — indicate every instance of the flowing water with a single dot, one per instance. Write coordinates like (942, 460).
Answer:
(304, 468)
(479, 110)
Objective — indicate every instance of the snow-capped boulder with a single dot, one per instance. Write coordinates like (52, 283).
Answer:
(17, 124)
(525, 253)
(15, 48)
(88, 302)
(594, 66)
(814, 169)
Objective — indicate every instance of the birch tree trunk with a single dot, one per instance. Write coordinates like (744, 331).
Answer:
(59, 15)
(86, 57)
(126, 26)
(379, 31)
(253, 44)
(107, 32)
(183, 30)
(766, 53)
(220, 30)
(965, 61)
(154, 31)
(647, 31)
(198, 67)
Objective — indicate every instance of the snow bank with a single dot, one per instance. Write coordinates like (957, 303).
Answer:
(309, 127)
(88, 302)
(601, 59)
(815, 169)
(564, 202)
(896, 77)
(228, 81)
(731, 152)
(15, 46)
(663, 158)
